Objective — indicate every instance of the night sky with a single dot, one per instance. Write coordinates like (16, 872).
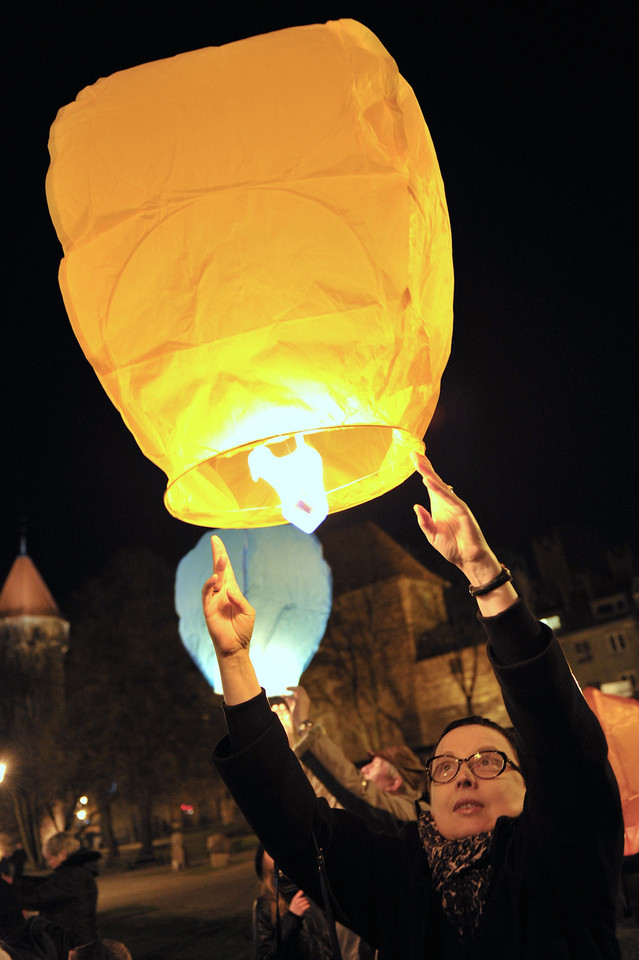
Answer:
(532, 117)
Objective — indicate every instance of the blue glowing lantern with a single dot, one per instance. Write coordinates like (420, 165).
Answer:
(282, 573)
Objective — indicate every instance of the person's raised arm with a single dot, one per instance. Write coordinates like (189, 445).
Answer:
(452, 530)
(229, 619)
(299, 704)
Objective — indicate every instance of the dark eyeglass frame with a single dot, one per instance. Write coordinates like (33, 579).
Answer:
(474, 756)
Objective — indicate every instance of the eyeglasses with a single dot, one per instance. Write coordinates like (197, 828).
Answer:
(487, 764)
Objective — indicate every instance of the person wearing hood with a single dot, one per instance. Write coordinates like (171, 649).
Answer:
(68, 897)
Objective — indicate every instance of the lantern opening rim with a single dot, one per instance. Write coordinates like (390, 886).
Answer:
(354, 473)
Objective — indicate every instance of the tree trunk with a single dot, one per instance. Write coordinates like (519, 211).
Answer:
(28, 828)
(106, 825)
(145, 810)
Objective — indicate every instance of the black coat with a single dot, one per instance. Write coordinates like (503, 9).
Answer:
(301, 938)
(556, 866)
(68, 897)
(32, 939)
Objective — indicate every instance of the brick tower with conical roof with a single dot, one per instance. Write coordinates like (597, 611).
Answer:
(30, 621)
(33, 642)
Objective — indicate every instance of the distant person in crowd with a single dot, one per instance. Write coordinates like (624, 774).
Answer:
(6, 866)
(384, 791)
(67, 897)
(178, 851)
(100, 950)
(18, 859)
(518, 858)
(287, 925)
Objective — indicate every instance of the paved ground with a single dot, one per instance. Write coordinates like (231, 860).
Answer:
(196, 891)
(229, 892)
(628, 934)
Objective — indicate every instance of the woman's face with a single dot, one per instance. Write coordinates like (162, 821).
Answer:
(469, 805)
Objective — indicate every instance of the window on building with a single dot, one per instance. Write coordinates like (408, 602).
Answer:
(583, 652)
(604, 609)
(610, 607)
(617, 642)
(618, 688)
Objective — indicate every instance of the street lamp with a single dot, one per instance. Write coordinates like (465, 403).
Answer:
(82, 814)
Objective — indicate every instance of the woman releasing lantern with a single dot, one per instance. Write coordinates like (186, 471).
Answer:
(519, 857)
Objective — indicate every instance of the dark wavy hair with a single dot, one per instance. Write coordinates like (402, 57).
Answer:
(101, 950)
(508, 732)
(280, 898)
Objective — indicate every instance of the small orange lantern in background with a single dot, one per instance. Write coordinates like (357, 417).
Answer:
(258, 255)
(619, 718)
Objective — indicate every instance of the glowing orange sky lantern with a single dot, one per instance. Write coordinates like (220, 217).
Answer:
(257, 251)
(619, 718)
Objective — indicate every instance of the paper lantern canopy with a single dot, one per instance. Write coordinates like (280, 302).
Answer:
(257, 252)
(283, 574)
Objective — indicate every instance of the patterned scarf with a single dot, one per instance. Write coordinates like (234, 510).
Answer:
(461, 873)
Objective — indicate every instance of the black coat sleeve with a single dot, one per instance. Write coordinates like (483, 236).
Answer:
(572, 807)
(264, 932)
(39, 893)
(273, 792)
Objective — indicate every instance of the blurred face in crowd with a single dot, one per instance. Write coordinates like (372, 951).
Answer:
(467, 804)
(55, 859)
